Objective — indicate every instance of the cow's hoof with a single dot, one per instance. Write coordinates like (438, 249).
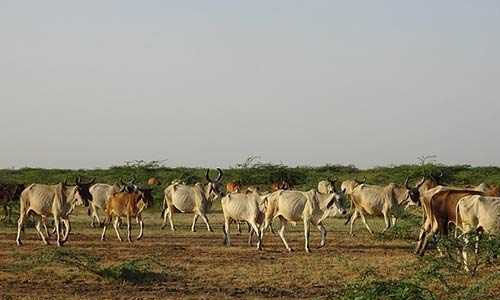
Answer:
(321, 246)
(19, 243)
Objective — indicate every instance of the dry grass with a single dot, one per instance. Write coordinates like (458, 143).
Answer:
(199, 266)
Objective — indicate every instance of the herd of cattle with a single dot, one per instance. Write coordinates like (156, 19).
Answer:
(473, 208)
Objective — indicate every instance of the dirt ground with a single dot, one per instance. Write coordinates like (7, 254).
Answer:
(198, 265)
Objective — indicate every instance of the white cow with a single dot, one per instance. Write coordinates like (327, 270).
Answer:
(478, 213)
(387, 201)
(57, 201)
(195, 199)
(247, 207)
(310, 207)
(100, 196)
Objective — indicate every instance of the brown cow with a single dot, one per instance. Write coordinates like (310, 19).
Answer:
(233, 187)
(439, 206)
(126, 205)
(9, 193)
(154, 181)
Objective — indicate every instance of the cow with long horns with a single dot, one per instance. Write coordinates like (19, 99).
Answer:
(57, 201)
(197, 199)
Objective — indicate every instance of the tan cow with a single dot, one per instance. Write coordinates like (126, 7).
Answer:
(153, 181)
(293, 206)
(387, 201)
(57, 201)
(126, 205)
(197, 199)
(439, 208)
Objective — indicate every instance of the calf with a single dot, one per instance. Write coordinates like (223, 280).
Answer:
(125, 205)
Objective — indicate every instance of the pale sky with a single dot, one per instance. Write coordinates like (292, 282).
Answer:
(88, 84)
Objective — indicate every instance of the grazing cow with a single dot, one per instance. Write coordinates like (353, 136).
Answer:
(9, 193)
(439, 207)
(233, 187)
(153, 181)
(246, 207)
(195, 199)
(126, 205)
(57, 200)
(478, 213)
(293, 206)
(281, 185)
(387, 201)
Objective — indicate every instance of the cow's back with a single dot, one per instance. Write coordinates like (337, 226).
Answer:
(100, 194)
(370, 198)
(291, 204)
(240, 206)
(39, 198)
(479, 211)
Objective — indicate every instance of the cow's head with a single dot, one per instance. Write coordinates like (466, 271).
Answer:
(414, 192)
(147, 196)
(213, 189)
(128, 186)
(334, 205)
(82, 195)
(19, 189)
(349, 185)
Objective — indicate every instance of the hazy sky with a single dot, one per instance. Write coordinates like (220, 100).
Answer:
(207, 83)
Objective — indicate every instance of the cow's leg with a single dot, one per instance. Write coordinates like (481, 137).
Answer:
(57, 224)
(464, 254)
(91, 211)
(307, 233)
(238, 225)
(96, 216)
(141, 227)
(195, 218)
(366, 224)
(106, 223)
(20, 226)
(38, 227)
(354, 217)
(250, 237)
(205, 219)
(129, 229)
(256, 228)
(322, 229)
(394, 220)
(227, 238)
(115, 225)
(170, 213)
(387, 221)
(281, 233)
(67, 226)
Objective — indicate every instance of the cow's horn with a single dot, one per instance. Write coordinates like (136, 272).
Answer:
(208, 177)
(219, 176)
(420, 183)
(406, 182)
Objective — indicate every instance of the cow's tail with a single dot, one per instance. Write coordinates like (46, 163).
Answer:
(458, 219)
